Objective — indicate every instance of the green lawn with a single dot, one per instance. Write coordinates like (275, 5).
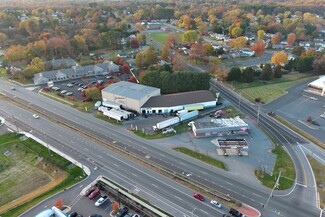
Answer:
(161, 37)
(201, 157)
(100, 115)
(22, 174)
(319, 171)
(284, 164)
(268, 90)
(3, 72)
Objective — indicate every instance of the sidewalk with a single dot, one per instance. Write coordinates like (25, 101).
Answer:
(249, 211)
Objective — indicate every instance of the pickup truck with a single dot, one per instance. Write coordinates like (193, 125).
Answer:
(101, 200)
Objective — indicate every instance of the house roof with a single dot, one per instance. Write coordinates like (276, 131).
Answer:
(176, 99)
(130, 90)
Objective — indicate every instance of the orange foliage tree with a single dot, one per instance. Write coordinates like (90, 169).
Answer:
(276, 38)
(115, 207)
(59, 203)
(239, 42)
(258, 47)
(291, 39)
(279, 58)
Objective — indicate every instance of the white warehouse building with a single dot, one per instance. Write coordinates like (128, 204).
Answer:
(129, 95)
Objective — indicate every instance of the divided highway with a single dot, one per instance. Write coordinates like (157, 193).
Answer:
(227, 183)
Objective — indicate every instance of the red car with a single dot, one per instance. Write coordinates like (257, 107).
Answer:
(94, 194)
(198, 196)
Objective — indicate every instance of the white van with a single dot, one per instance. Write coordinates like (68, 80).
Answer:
(97, 104)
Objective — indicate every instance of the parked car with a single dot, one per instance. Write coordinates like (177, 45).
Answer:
(79, 215)
(70, 85)
(13, 88)
(74, 214)
(216, 203)
(315, 123)
(322, 115)
(85, 86)
(101, 200)
(80, 89)
(313, 98)
(95, 215)
(64, 91)
(122, 212)
(198, 196)
(235, 213)
(89, 191)
(225, 215)
(56, 88)
(69, 93)
(135, 215)
(80, 84)
(94, 194)
(35, 116)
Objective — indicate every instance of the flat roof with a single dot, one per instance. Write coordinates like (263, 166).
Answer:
(176, 99)
(230, 143)
(221, 123)
(319, 83)
(130, 90)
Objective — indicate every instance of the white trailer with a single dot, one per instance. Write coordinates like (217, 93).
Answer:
(115, 114)
(188, 116)
(111, 104)
(166, 123)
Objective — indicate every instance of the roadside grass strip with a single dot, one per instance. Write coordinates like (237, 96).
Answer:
(319, 172)
(284, 164)
(201, 157)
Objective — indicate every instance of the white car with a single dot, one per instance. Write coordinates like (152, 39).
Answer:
(80, 89)
(68, 93)
(35, 116)
(64, 91)
(56, 88)
(101, 200)
(313, 98)
(70, 85)
(215, 203)
(322, 116)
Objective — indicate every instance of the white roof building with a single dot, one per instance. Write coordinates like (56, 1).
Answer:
(318, 85)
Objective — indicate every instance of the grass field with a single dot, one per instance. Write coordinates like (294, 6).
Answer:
(319, 171)
(284, 164)
(201, 157)
(161, 37)
(29, 174)
(268, 90)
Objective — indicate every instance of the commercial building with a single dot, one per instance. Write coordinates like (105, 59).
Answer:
(75, 72)
(51, 212)
(231, 146)
(193, 100)
(129, 95)
(220, 127)
(317, 86)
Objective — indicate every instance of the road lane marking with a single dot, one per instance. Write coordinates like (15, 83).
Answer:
(116, 165)
(257, 195)
(178, 198)
(301, 184)
(204, 211)
(155, 185)
(229, 183)
(134, 174)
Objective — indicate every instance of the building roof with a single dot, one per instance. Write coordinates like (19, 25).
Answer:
(130, 90)
(319, 83)
(230, 143)
(176, 99)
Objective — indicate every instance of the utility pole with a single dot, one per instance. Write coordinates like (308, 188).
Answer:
(276, 184)
(258, 114)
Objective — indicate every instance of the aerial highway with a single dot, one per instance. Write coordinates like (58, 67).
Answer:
(285, 204)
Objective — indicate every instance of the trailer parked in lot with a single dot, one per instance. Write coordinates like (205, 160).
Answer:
(166, 123)
(116, 114)
(187, 116)
(111, 104)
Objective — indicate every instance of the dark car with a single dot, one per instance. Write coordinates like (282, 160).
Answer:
(315, 123)
(95, 215)
(235, 212)
(80, 84)
(225, 215)
(122, 212)
(89, 191)
(198, 196)
(79, 215)
(74, 214)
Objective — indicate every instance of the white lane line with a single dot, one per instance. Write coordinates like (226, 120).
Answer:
(229, 183)
(155, 185)
(134, 174)
(161, 155)
(204, 211)
(10, 130)
(178, 198)
(100, 156)
(301, 185)
(257, 195)
(116, 165)
(204, 173)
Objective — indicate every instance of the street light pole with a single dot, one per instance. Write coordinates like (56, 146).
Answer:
(258, 114)
(276, 184)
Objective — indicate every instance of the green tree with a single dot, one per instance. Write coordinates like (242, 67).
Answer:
(140, 60)
(151, 56)
(266, 74)
(248, 75)
(234, 74)
(260, 34)
(190, 36)
(298, 50)
(278, 71)
(236, 31)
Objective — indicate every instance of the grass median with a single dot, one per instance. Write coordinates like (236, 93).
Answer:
(158, 135)
(205, 158)
(319, 172)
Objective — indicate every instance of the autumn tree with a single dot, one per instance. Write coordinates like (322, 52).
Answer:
(79, 43)
(276, 38)
(236, 31)
(165, 52)
(258, 47)
(141, 38)
(179, 64)
(197, 52)
(59, 203)
(36, 65)
(126, 68)
(238, 43)
(190, 36)
(171, 40)
(140, 60)
(115, 207)
(291, 39)
(208, 49)
(298, 50)
(15, 53)
(279, 58)
(266, 74)
(221, 73)
(319, 64)
(134, 43)
(260, 34)
(94, 94)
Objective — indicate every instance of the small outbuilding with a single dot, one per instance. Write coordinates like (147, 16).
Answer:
(317, 86)
(231, 146)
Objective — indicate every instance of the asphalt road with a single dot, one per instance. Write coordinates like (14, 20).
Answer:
(231, 184)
